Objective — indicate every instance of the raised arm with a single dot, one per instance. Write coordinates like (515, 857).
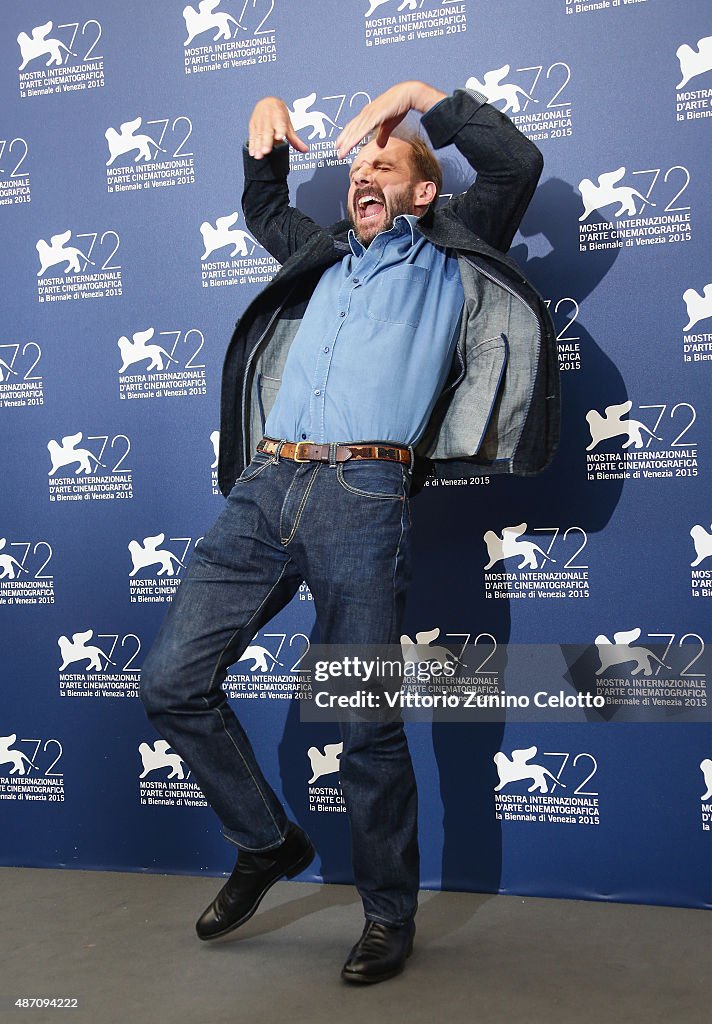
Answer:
(279, 227)
(508, 165)
(387, 111)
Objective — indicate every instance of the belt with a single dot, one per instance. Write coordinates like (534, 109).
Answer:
(309, 451)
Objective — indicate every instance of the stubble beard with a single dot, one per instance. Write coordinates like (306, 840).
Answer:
(398, 203)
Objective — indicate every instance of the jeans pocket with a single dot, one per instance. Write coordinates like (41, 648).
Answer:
(260, 461)
(372, 478)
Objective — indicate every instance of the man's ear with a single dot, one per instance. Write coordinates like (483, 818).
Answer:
(424, 193)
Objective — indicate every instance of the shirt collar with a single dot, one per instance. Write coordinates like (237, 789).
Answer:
(403, 224)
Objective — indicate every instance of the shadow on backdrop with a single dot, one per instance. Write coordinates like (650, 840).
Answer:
(565, 273)
(325, 192)
(329, 831)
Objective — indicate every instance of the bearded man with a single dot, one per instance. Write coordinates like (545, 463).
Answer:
(400, 343)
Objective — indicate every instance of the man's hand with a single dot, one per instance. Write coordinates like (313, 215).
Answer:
(387, 111)
(270, 123)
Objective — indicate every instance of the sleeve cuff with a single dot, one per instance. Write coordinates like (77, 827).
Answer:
(273, 167)
(443, 121)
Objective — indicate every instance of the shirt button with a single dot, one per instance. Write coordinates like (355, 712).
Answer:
(317, 392)
(342, 313)
(326, 348)
(304, 437)
(355, 280)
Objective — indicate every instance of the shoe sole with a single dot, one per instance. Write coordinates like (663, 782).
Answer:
(372, 979)
(295, 869)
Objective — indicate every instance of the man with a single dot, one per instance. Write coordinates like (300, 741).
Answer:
(409, 343)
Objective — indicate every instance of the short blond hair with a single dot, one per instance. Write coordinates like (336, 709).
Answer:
(423, 162)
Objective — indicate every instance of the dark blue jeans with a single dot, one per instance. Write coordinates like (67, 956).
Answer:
(345, 529)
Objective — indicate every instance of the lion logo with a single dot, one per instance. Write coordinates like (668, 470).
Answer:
(518, 769)
(325, 763)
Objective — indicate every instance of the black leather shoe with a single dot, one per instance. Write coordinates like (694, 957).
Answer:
(253, 875)
(379, 954)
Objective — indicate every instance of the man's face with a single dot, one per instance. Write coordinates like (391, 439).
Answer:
(380, 188)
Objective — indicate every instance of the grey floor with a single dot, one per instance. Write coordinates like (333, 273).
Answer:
(124, 946)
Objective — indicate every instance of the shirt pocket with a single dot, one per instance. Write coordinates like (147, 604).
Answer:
(397, 295)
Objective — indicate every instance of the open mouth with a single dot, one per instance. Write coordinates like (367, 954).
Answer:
(369, 206)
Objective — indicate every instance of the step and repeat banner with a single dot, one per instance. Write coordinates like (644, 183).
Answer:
(126, 262)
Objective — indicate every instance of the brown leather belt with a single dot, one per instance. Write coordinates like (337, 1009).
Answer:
(309, 451)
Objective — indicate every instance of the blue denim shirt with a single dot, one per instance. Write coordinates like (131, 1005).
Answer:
(375, 345)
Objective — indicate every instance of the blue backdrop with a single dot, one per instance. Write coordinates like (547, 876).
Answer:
(125, 264)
